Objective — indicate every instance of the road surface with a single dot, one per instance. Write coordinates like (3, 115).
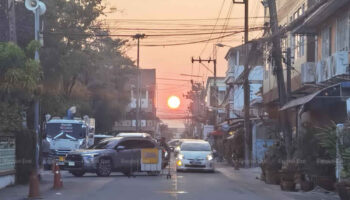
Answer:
(225, 183)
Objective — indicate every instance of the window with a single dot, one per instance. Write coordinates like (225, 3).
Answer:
(129, 144)
(145, 144)
(137, 144)
(326, 42)
(342, 33)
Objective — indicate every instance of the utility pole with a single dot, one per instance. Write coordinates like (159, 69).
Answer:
(289, 75)
(200, 60)
(138, 125)
(278, 72)
(246, 88)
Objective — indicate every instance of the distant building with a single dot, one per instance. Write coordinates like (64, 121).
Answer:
(148, 119)
(235, 101)
(214, 100)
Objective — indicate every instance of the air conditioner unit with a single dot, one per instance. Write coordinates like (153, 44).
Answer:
(321, 71)
(341, 63)
(330, 69)
(308, 73)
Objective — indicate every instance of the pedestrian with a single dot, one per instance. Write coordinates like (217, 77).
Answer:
(165, 152)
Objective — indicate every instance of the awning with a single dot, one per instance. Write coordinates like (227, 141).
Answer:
(216, 133)
(300, 101)
(305, 99)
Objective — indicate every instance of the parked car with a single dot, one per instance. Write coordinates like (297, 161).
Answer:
(117, 154)
(195, 155)
(99, 137)
(134, 135)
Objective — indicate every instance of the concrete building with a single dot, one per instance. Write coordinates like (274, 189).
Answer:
(320, 44)
(235, 103)
(261, 137)
(148, 119)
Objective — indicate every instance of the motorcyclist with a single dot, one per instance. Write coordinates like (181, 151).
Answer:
(165, 152)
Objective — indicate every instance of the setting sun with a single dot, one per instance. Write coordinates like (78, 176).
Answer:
(173, 102)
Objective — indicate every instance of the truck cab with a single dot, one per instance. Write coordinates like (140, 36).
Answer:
(65, 135)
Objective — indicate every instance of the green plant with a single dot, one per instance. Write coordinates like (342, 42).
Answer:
(334, 140)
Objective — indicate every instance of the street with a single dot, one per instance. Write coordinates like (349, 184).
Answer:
(225, 183)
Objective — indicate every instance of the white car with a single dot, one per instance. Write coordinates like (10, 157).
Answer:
(195, 155)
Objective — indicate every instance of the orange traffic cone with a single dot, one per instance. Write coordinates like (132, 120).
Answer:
(57, 182)
(34, 185)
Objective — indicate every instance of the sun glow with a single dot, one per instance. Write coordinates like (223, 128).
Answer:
(173, 102)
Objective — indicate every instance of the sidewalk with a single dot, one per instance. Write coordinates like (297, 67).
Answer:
(20, 192)
(249, 178)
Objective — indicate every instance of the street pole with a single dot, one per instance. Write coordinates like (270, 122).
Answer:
(138, 126)
(12, 21)
(38, 8)
(278, 72)
(246, 88)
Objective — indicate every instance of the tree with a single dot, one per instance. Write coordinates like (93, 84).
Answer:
(19, 78)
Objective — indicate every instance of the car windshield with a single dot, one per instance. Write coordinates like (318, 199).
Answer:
(195, 147)
(73, 130)
(104, 144)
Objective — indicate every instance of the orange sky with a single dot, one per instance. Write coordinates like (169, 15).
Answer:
(170, 62)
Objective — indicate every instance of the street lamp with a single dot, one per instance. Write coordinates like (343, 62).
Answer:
(38, 8)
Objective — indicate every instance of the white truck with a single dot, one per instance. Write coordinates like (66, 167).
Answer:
(65, 135)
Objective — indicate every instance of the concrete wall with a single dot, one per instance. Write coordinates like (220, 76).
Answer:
(7, 180)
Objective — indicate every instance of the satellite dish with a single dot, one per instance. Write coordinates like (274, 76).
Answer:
(32, 4)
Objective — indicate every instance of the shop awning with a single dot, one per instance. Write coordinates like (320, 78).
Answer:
(216, 133)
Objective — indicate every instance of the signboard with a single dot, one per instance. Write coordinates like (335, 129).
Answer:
(149, 156)
(7, 153)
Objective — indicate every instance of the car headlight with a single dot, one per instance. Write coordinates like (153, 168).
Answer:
(209, 157)
(180, 156)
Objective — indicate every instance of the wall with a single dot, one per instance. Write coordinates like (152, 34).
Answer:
(285, 10)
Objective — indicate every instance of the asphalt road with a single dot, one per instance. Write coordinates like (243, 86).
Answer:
(224, 184)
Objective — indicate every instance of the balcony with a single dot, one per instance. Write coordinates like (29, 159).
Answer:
(332, 67)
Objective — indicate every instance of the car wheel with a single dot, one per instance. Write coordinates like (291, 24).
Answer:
(153, 173)
(78, 173)
(104, 167)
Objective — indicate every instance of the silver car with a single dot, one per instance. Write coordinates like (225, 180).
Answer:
(195, 155)
(117, 154)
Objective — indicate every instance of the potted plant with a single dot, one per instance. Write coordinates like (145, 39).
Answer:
(288, 175)
(272, 164)
(336, 141)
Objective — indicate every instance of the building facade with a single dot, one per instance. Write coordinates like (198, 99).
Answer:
(148, 119)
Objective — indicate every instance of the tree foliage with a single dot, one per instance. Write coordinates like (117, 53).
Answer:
(19, 78)
(81, 69)
(78, 68)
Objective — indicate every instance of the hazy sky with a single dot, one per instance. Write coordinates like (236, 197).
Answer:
(170, 62)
